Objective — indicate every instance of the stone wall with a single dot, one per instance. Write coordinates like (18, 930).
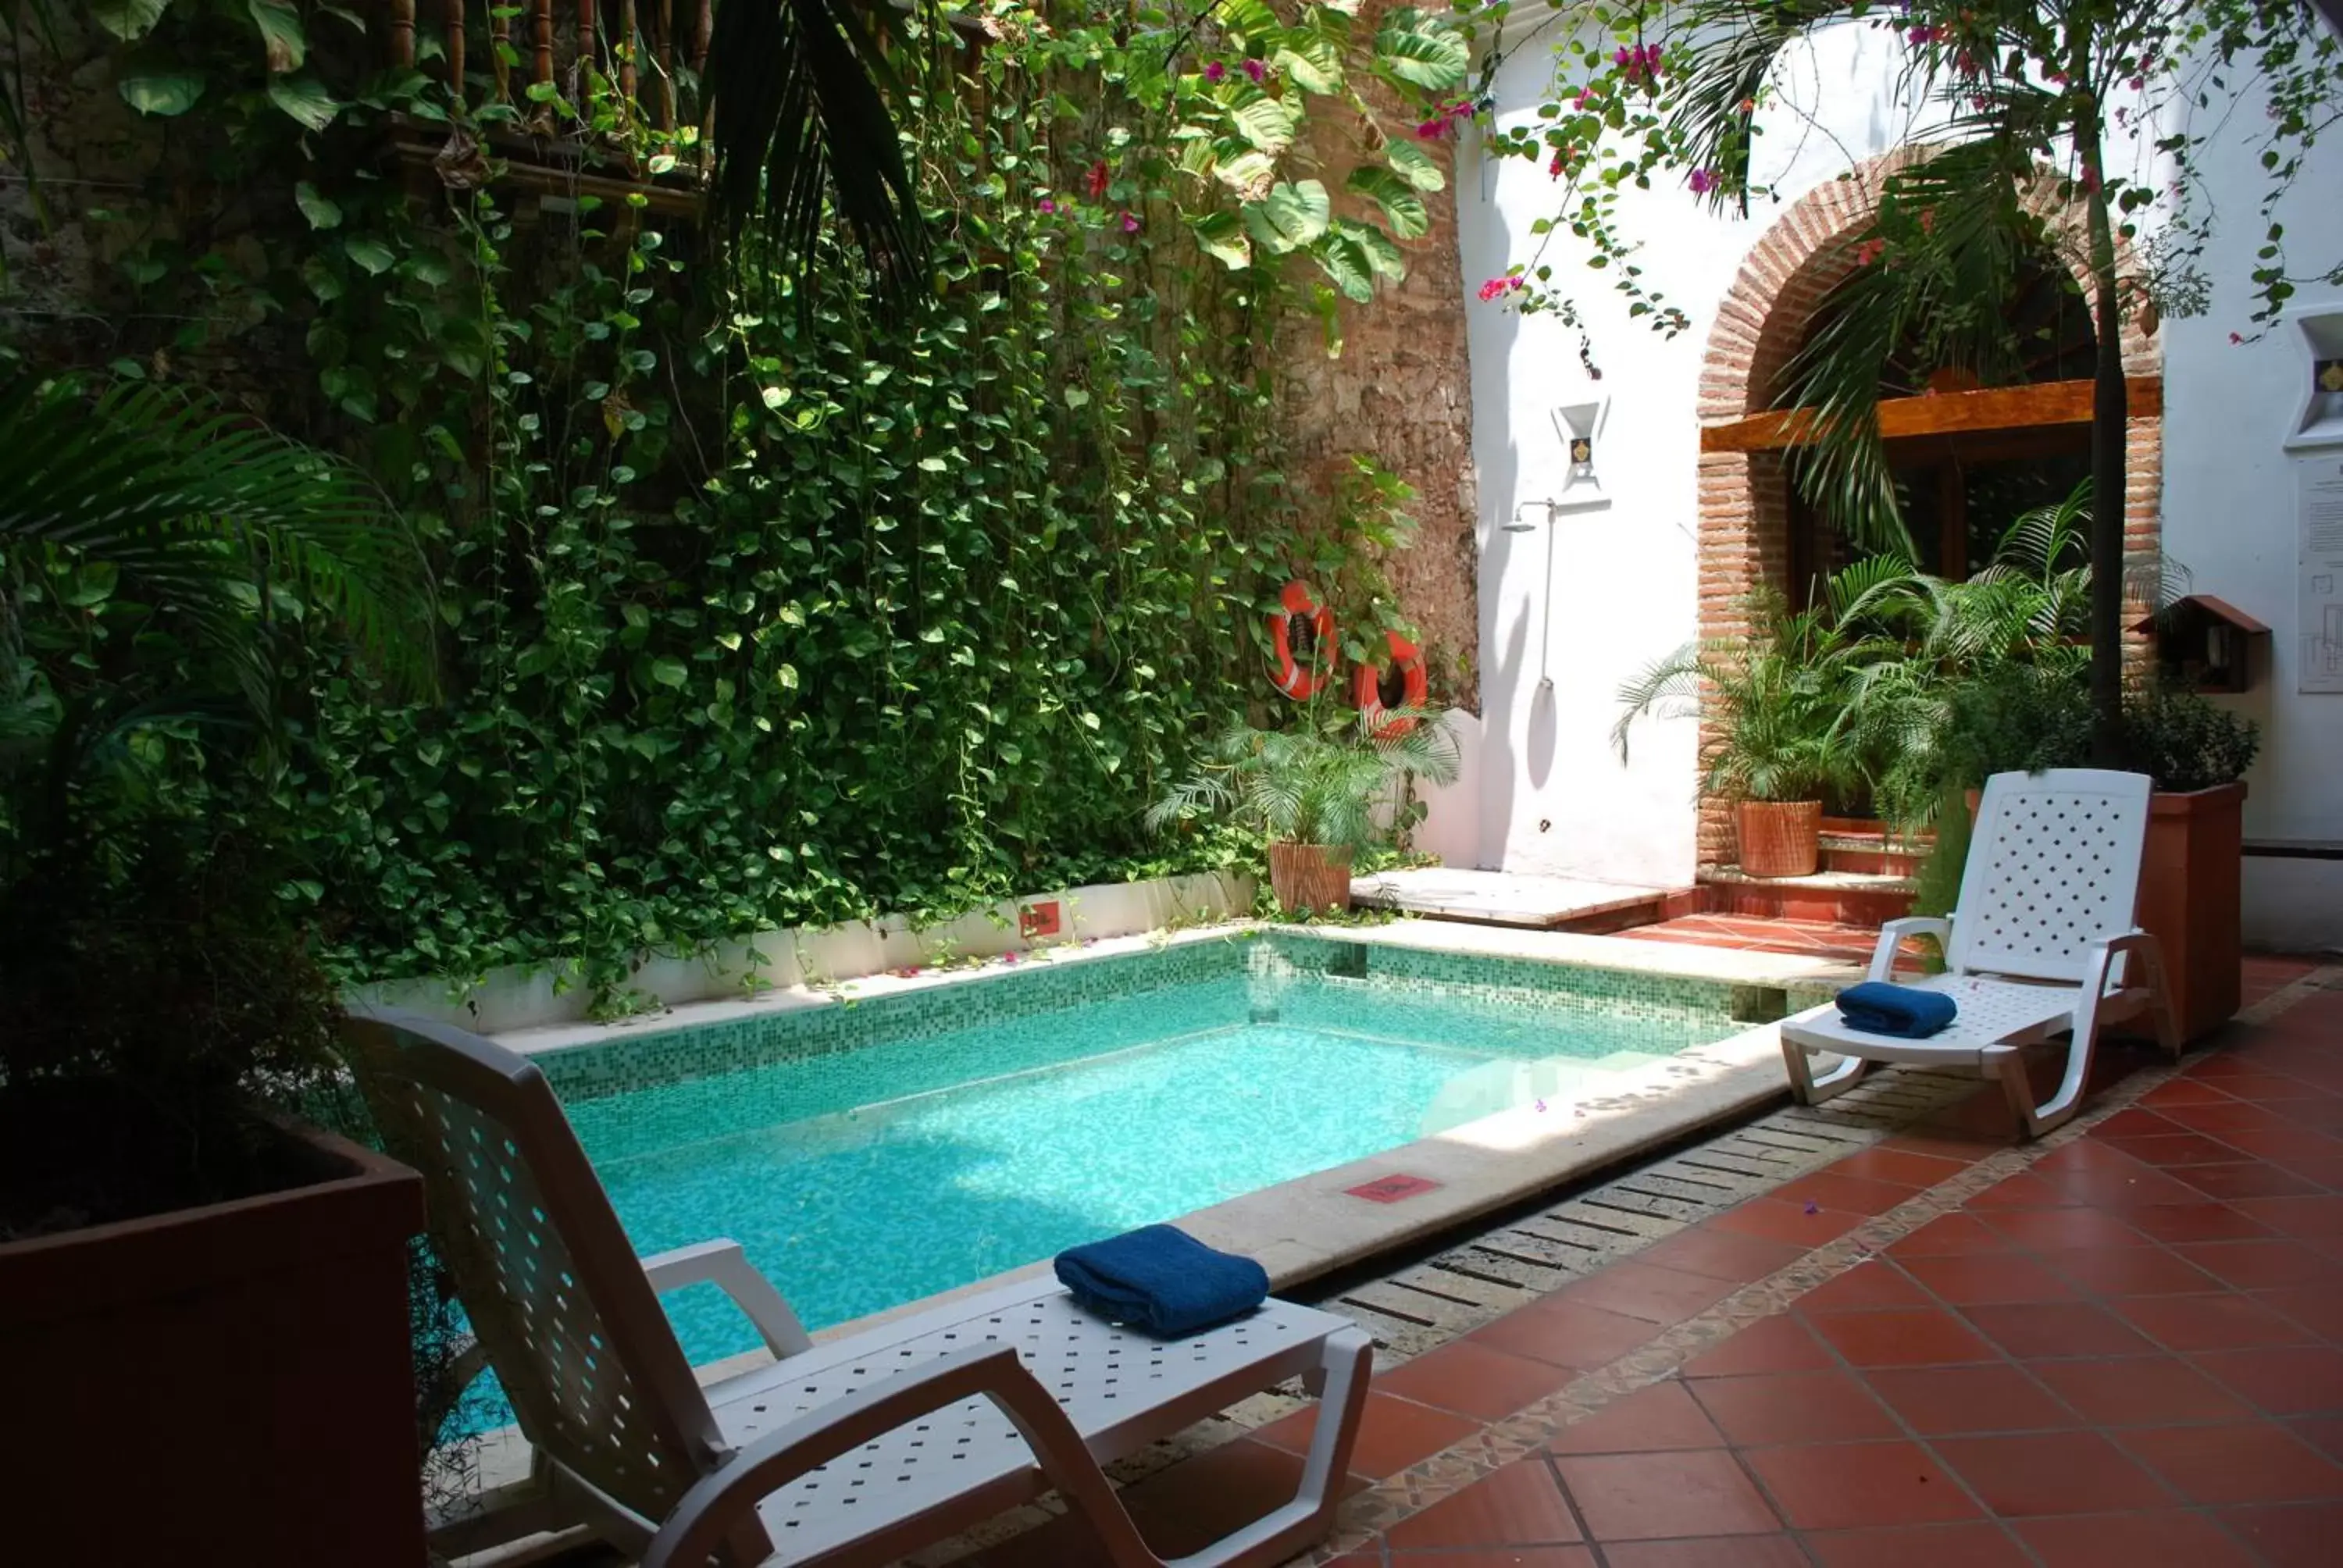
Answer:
(1400, 391)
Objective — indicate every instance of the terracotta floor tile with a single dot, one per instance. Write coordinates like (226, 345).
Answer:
(2323, 1433)
(1856, 1194)
(2134, 1122)
(2284, 1379)
(2182, 1147)
(2146, 1391)
(1662, 1297)
(2130, 1271)
(1968, 1545)
(2122, 1193)
(1772, 1221)
(1962, 1150)
(2181, 1091)
(2209, 1322)
(1709, 1552)
(1722, 1254)
(1902, 1337)
(1899, 1165)
(2060, 1228)
(1190, 1504)
(1852, 1485)
(1663, 1416)
(1473, 1379)
(2264, 1265)
(2205, 1221)
(2033, 1330)
(2304, 1216)
(1988, 1398)
(1951, 1234)
(2318, 1310)
(1878, 1283)
(2026, 1473)
(1793, 1407)
(1775, 1345)
(1520, 1505)
(2161, 1539)
(2025, 1190)
(1565, 1335)
(1981, 1279)
(1499, 1557)
(2086, 1154)
(2300, 1536)
(2248, 1179)
(2252, 1462)
(1393, 1433)
(1655, 1496)
(2228, 1116)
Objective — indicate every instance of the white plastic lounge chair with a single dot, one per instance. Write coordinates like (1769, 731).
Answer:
(2045, 942)
(853, 1452)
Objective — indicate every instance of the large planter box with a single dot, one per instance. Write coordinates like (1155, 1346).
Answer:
(223, 1385)
(2189, 898)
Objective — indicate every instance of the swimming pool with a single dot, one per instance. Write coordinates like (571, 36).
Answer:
(872, 1153)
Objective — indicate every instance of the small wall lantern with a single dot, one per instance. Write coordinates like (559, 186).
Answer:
(2205, 644)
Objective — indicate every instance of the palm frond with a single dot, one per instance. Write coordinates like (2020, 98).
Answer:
(802, 126)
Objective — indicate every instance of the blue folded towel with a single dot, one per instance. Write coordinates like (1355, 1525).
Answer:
(1161, 1281)
(1906, 1011)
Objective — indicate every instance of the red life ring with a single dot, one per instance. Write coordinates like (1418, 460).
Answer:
(1366, 688)
(1292, 678)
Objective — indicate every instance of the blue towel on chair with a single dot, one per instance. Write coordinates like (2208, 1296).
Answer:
(1161, 1281)
(1904, 1011)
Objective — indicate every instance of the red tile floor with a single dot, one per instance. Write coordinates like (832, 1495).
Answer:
(1763, 933)
(2121, 1346)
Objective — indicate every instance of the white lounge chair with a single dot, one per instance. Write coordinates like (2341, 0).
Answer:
(2046, 942)
(853, 1452)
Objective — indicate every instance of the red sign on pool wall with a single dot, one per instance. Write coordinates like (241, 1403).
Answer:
(1392, 1189)
(1037, 919)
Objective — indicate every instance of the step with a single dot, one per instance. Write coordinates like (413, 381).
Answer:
(1873, 854)
(1833, 898)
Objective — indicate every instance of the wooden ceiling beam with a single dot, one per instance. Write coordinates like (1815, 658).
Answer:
(2043, 403)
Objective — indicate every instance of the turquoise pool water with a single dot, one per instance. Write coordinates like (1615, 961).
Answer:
(857, 1179)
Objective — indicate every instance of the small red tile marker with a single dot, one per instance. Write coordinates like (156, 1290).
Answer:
(1391, 1189)
(1037, 919)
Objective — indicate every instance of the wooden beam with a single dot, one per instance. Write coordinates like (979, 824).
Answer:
(1942, 414)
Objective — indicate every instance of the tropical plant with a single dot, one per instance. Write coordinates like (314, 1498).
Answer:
(1315, 783)
(1774, 702)
(157, 554)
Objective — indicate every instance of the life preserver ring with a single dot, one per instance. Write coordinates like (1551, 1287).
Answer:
(1367, 689)
(1293, 678)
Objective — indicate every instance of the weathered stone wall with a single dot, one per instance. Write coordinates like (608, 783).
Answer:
(1400, 392)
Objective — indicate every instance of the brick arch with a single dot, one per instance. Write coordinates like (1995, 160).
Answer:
(1745, 498)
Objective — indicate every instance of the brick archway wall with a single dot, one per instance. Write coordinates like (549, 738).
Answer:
(1745, 498)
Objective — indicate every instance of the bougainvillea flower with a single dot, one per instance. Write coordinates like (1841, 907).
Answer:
(1046, 207)
(1702, 182)
(1096, 179)
(1869, 251)
(1129, 224)
(1215, 72)
(1257, 71)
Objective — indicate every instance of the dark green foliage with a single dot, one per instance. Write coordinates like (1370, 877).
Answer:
(2184, 743)
(1322, 781)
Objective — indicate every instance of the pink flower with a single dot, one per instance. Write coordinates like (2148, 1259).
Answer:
(1096, 179)
(1869, 251)
(1585, 96)
(1702, 182)
(1498, 288)
(1215, 72)
(1430, 130)
(1129, 224)
(1553, 169)
(1922, 37)
(1046, 207)
(2237, 337)
(1257, 71)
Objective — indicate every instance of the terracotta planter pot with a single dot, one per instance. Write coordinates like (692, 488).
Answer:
(2190, 901)
(224, 1384)
(1310, 877)
(1780, 837)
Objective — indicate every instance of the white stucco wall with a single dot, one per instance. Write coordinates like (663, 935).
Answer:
(1555, 797)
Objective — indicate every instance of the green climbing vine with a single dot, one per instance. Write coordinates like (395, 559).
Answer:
(758, 610)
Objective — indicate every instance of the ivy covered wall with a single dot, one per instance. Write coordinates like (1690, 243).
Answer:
(757, 609)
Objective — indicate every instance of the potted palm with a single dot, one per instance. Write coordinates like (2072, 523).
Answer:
(1317, 793)
(183, 1269)
(1775, 739)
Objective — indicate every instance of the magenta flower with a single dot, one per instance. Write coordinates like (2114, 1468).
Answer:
(1216, 72)
(1625, 59)
(1257, 71)
(1129, 224)
(1923, 36)
(1585, 96)
(1430, 129)
(2237, 337)
(1703, 182)
(1497, 287)
(1046, 207)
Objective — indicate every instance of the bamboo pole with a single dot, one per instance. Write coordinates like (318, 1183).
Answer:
(402, 32)
(455, 50)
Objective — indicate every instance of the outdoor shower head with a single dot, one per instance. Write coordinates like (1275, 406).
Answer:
(1519, 526)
